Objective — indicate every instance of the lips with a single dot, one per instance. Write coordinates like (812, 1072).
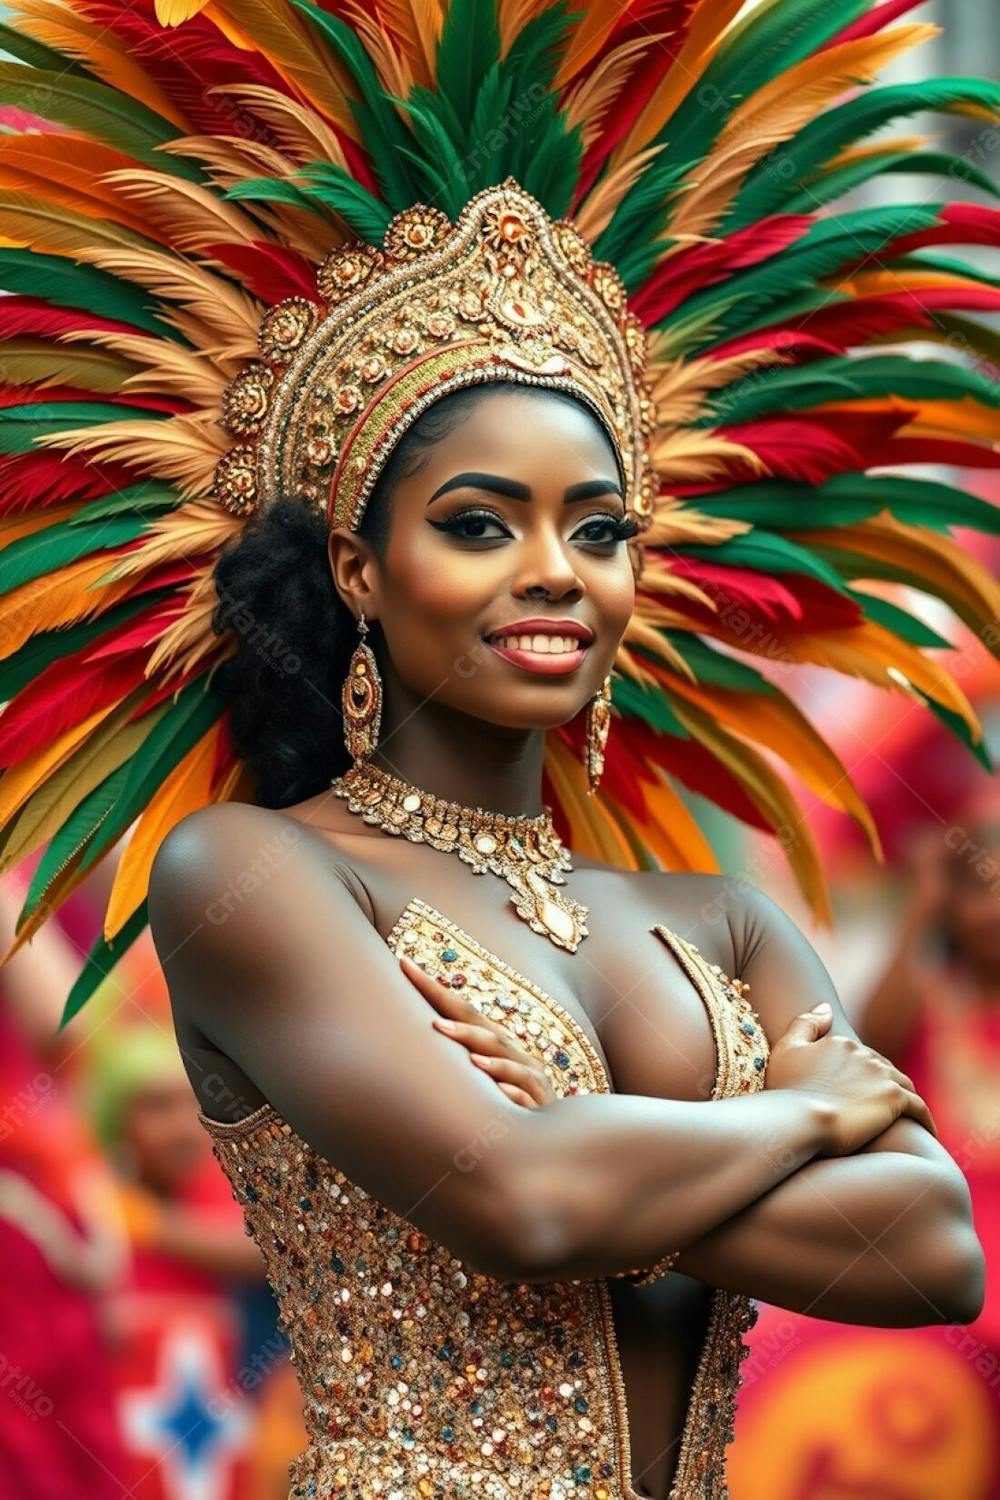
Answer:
(547, 647)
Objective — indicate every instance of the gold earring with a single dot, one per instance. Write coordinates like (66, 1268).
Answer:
(598, 726)
(361, 697)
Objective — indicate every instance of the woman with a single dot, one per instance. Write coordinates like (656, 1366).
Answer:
(469, 553)
(538, 219)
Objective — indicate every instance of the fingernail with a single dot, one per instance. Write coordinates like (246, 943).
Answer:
(444, 1025)
(820, 1008)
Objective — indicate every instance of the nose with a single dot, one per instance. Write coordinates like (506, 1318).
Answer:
(547, 571)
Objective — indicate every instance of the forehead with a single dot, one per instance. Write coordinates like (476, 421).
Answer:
(510, 431)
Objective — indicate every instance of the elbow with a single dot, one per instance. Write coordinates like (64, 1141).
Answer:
(954, 1282)
(524, 1235)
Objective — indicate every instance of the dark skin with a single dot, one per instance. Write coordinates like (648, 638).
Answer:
(827, 1191)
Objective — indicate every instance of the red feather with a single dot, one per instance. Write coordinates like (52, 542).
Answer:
(66, 693)
(925, 450)
(696, 767)
(33, 480)
(867, 25)
(811, 447)
(958, 224)
(795, 345)
(787, 602)
(700, 266)
(652, 67)
(32, 315)
(271, 272)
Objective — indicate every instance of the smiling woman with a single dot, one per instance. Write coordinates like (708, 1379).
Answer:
(487, 439)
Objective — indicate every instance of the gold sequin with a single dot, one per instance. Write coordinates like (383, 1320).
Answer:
(422, 1376)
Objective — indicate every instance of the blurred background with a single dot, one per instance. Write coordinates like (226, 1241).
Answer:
(139, 1350)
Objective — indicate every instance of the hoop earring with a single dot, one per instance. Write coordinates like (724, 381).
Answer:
(361, 698)
(598, 727)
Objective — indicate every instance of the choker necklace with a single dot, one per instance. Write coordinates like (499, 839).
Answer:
(526, 852)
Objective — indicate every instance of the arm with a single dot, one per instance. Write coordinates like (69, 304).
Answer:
(287, 976)
(884, 1236)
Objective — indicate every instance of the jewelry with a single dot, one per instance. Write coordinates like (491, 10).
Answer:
(643, 1275)
(361, 698)
(526, 852)
(598, 726)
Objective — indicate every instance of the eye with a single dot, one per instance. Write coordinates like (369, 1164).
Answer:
(608, 530)
(473, 526)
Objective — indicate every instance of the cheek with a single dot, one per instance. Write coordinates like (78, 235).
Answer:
(435, 598)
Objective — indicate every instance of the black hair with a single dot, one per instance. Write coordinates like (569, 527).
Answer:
(294, 635)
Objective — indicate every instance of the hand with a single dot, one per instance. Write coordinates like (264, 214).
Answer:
(864, 1092)
(521, 1076)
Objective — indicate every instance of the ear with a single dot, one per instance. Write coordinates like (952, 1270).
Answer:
(355, 571)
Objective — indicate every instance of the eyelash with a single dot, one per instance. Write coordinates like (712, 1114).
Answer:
(622, 528)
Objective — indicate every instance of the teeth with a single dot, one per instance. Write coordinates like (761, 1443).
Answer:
(544, 645)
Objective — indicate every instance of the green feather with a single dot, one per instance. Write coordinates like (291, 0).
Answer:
(100, 961)
(650, 705)
(631, 239)
(773, 181)
(771, 39)
(469, 45)
(331, 186)
(832, 184)
(846, 499)
(283, 190)
(36, 54)
(193, 713)
(65, 542)
(20, 425)
(712, 666)
(853, 565)
(107, 114)
(30, 361)
(827, 247)
(962, 732)
(64, 284)
(78, 830)
(926, 260)
(964, 335)
(435, 156)
(385, 135)
(49, 646)
(842, 378)
(763, 552)
(150, 496)
(484, 162)
(903, 624)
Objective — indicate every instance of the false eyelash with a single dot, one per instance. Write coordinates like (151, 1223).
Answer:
(625, 527)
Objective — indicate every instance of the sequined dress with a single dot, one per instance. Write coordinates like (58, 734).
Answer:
(423, 1377)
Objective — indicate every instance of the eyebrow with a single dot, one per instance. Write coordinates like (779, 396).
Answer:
(587, 489)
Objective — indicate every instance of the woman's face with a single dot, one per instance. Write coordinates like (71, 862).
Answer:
(503, 591)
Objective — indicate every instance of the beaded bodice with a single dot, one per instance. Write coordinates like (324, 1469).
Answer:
(423, 1377)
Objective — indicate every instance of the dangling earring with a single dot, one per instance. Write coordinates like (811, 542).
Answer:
(361, 697)
(598, 725)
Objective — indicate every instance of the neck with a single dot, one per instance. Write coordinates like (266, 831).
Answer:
(464, 760)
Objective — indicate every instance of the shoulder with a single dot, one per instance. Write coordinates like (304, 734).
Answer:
(233, 882)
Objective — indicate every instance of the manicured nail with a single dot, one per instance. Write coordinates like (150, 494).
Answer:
(819, 1009)
(444, 1025)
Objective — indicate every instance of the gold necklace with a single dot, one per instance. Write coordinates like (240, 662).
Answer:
(526, 852)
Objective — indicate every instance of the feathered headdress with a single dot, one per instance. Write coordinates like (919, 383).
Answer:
(170, 173)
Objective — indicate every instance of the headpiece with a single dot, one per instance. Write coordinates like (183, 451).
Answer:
(245, 242)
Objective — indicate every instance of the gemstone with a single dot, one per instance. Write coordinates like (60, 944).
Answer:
(556, 920)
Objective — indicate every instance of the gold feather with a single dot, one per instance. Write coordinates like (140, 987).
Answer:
(110, 741)
(391, 66)
(192, 216)
(72, 593)
(69, 32)
(595, 213)
(589, 100)
(185, 789)
(189, 637)
(852, 154)
(598, 20)
(776, 112)
(704, 37)
(301, 131)
(184, 449)
(200, 527)
(37, 225)
(639, 632)
(29, 361)
(216, 302)
(174, 12)
(693, 455)
(296, 51)
(595, 835)
(67, 169)
(417, 24)
(768, 792)
(167, 365)
(679, 386)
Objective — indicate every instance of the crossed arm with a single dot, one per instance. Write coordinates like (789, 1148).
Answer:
(883, 1237)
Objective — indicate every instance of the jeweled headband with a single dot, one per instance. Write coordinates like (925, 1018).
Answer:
(506, 294)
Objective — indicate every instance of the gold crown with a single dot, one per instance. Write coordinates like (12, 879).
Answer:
(506, 294)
